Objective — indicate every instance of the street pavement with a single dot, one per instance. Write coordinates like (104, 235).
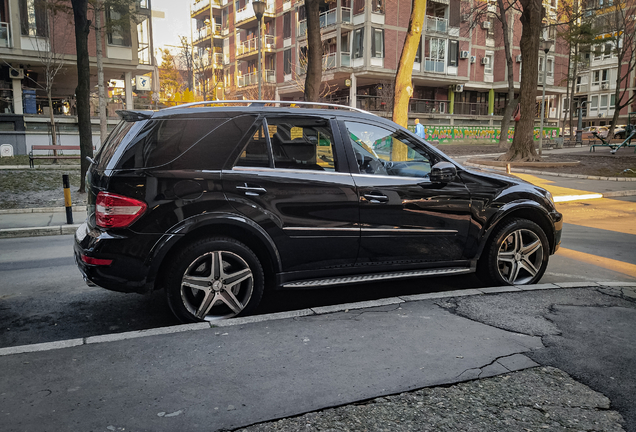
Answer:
(245, 371)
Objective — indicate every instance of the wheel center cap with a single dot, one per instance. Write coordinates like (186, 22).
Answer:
(518, 257)
(217, 286)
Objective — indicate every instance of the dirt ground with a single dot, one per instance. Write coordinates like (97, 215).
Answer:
(597, 163)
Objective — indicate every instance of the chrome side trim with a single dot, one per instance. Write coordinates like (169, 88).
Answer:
(287, 170)
(387, 230)
(376, 277)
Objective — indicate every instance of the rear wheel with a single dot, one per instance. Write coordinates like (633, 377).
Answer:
(213, 279)
(516, 255)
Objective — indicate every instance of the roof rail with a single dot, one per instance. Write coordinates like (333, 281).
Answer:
(262, 103)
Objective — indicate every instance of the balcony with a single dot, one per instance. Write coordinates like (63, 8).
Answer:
(199, 5)
(247, 12)
(250, 46)
(327, 19)
(433, 64)
(428, 106)
(207, 31)
(467, 108)
(5, 41)
(435, 24)
(252, 78)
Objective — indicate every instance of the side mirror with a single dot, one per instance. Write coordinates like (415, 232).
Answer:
(443, 172)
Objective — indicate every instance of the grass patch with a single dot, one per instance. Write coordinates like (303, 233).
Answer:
(24, 160)
(37, 188)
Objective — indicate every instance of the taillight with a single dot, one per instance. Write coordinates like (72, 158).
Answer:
(117, 211)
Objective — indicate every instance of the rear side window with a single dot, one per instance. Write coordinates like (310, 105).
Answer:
(191, 144)
(112, 143)
(302, 143)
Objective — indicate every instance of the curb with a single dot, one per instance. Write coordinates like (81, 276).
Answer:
(324, 310)
(38, 231)
(41, 210)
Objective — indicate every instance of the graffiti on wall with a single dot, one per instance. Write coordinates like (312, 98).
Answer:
(446, 134)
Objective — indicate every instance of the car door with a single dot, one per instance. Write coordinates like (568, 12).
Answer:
(405, 218)
(292, 180)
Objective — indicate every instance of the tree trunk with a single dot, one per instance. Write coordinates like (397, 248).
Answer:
(512, 102)
(522, 148)
(403, 85)
(82, 28)
(52, 118)
(313, 79)
(103, 117)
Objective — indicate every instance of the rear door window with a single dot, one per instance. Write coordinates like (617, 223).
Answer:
(112, 143)
(302, 143)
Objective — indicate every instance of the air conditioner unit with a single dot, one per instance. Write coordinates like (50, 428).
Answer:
(16, 73)
(486, 25)
(459, 88)
(519, 58)
(492, 8)
(464, 54)
(473, 59)
(485, 60)
(604, 86)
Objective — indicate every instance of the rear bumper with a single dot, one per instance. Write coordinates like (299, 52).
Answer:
(128, 271)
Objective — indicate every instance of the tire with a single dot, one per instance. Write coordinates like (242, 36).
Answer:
(517, 254)
(214, 278)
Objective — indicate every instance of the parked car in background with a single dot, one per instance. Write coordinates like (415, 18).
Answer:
(215, 204)
(593, 132)
(619, 132)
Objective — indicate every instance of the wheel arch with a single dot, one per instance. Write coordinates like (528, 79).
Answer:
(244, 230)
(529, 210)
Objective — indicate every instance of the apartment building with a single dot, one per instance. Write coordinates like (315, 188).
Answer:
(459, 74)
(598, 66)
(33, 43)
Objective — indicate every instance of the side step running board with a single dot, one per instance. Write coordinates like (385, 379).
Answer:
(343, 280)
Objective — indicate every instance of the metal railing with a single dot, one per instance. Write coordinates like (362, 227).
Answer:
(200, 4)
(206, 31)
(434, 64)
(327, 19)
(247, 11)
(468, 108)
(429, 106)
(252, 78)
(251, 45)
(371, 103)
(436, 24)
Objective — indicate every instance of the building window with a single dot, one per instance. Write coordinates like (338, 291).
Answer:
(596, 77)
(287, 25)
(453, 52)
(488, 67)
(490, 33)
(33, 18)
(377, 43)
(378, 6)
(119, 20)
(358, 43)
(287, 61)
(434, 55)
(550, 71)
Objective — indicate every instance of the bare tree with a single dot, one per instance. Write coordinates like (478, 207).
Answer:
(187, 62)
(299, 77)
(403, 85)
(51, 52)
(314, 52)
(206, 75)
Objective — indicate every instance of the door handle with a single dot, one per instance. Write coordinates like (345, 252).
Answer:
(252, 190)
(376, 198)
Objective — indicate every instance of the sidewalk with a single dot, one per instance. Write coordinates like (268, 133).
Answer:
(243, 371)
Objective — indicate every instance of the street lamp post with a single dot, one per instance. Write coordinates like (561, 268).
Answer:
(259, 10)
(547, 44)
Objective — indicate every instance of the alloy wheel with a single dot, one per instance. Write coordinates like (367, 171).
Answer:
(520, 257)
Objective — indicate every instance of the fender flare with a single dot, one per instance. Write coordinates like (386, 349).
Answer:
(174, 235)
(513, 206)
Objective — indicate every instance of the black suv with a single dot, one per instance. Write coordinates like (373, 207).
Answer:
(215, 203)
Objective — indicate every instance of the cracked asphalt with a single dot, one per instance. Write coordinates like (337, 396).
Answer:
(550, 359)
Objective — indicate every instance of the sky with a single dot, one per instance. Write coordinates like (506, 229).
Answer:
(166, 31)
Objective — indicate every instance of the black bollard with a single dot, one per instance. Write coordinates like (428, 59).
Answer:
(67, 199)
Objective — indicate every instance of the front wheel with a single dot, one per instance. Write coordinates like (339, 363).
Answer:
(213, 279)
(517, 254)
